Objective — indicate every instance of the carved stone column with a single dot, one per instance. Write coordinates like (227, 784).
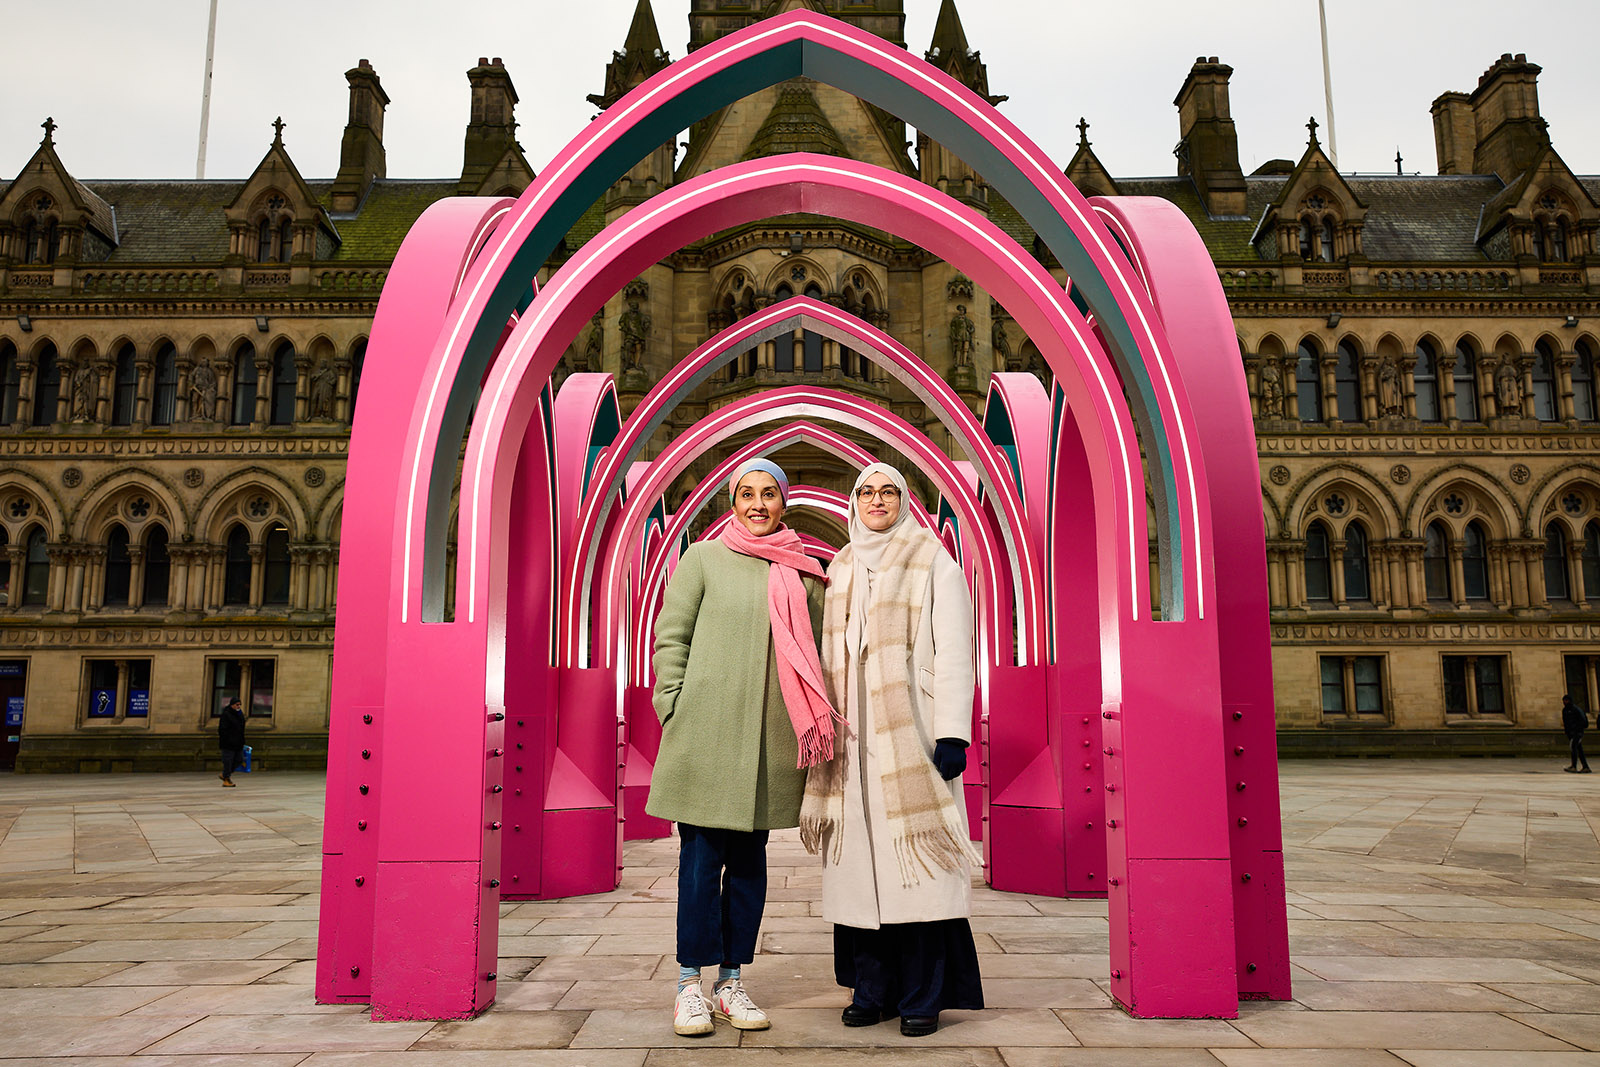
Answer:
(17, 558)
(25, 380)
(1446, 364)
(1336, 571)
(1327, 367)
(1565, 409)
(263, 413)
(105, 371)
(1458, 575)
(136, 577)
(146, 367)
(299, 577)
(258, 554)
(319, 578)
(1575, 583)
(302, 386)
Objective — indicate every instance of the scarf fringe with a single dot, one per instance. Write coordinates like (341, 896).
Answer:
(943, 848)
(816, 744)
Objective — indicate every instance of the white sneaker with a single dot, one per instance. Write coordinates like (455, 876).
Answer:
(735, 1005)
(691, 1015)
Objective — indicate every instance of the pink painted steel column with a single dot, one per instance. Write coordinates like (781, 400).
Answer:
(1182, 280)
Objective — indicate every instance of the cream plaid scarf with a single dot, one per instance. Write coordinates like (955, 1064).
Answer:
(924, 824)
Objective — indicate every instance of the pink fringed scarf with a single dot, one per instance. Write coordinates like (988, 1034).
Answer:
(799, 669)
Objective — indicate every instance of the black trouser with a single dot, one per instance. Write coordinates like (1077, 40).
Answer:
(1578, 758)
(722, 891)
(230, 762)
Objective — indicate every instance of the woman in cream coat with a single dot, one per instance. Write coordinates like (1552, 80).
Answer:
(886, 813)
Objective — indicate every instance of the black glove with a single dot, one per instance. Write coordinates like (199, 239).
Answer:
(949, 757)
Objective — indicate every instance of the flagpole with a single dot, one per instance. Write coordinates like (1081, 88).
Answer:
(205, 93)
(1327, 83)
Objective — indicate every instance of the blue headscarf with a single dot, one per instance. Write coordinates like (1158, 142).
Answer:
(765, 466)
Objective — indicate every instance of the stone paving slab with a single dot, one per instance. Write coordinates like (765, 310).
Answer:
(153, 921)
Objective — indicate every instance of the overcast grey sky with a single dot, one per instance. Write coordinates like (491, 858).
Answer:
(122, 79)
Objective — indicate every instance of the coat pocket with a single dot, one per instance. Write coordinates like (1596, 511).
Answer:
(925, 676)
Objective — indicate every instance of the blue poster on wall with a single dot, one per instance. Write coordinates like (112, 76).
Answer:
(102, 703)
(13, 711)
(11, 668)
(138, 703)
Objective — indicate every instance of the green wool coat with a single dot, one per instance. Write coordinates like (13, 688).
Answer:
(728, 749)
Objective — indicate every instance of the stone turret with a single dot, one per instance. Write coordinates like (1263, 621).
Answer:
(1208, 143)
(492, 129)
(361, 154)
(951, 53)
(641, 57)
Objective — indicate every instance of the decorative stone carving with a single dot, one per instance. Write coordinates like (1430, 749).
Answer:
(963, 334)
(1520, 473)
(1508, 388)
(635, 326)
(1389, 388)
(315, 476)
(72, 477)
(194, 477)
(959, 288)
(83, 381)
(1271, 391)
(324, 387)
(1279, 475)
(202, 391)
(1399, 474)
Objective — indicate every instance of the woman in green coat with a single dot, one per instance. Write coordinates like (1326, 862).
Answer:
(740, 696)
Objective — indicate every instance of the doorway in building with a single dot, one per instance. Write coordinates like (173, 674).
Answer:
(13, 685)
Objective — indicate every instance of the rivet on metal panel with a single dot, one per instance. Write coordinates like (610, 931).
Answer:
(985, 818)
(355, 972)
(1244, 878)
(361, 824)
(519, 768)
(1088, 789)
(494, 883)
(517, 792)
(517, 827)
(367, 719)
(1238, 715)
(498, 752)
(1243, 821)
(365, 790)
(1116, 975)
(519, 746)
(1250, 967)
(1238, 750)
(983, 763)
(1111, 787)
(1085, 742)
(496, 789)
(494, 825)
(366, 753)
(1091, 876)
(1107, 715)
(1114, 881)
(491, 976)
(515, 878)
(498, 716)
(360, 881)
(1239, 787)
(1088, 826)
(1110, 751)
(1086, 720)
(521, 723)
(1111, 823)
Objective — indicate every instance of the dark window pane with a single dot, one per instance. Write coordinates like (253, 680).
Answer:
(1332, 684)
(1436, 563)
(283, 386)
(1347, 384)
(244, 386)
(1466, 383)
(1455, 685)
(225, 676)
(1357, 585)
(10, 384)
(812, 353)
(136, 701)
(1544, 383)
(46, 387)
(36, 571)
(1491, 691)
(1319, 581)
(275, 575)
(157, 567)
(125, 388)
(1555, 563)
(1577, 679)
(1369, 684)
(1591, 561)
(1475, 564)
(1425, 376)
(119, 567)
(262, 674)
(1308, 384)
(164, 402)
(236, 576)
(102, 689)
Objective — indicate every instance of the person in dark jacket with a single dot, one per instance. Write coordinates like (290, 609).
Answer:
(1575, 722)
(230, 739)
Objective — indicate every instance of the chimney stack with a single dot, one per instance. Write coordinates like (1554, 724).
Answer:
(493, 125)
(1208, 145)
(361, 155)
(1497, 129)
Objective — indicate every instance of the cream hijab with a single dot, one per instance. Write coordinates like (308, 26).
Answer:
(867, 548)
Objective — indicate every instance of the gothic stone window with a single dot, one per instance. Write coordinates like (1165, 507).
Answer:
(1583, 398)
(1465, 379)
(244, 385)
(1425, 378)
(157, 567)
(41, 229)
(46, 386)
(274, 229)
(164, 403)
(1308, 382)
(1544, 382)
(125, 387)
(1347, 383)
(283, 385)
(10, 383)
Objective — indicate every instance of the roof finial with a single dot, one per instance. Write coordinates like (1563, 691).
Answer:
(1083, 132)
(1312, 126)
(277, 131)
(1397, 160)
(49, 127)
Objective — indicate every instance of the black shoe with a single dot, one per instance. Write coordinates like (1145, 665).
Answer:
(1586, 771)
(918, 1025)
(1570, 770)
(855, 1015)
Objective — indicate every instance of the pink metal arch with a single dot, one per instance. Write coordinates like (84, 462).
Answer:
(780, 319)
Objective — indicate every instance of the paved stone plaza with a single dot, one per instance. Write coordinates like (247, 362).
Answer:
(1441, 913)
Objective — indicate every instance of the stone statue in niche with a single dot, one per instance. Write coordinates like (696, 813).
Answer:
(83, 393)
(1389, 388)
(1508, 388)
(963, 334)
(1271, 391)
(202, 391)
(593, 347)
(635, 327)
(1000, 343)
(324, 385)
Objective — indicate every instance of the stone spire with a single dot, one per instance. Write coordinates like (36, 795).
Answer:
(796, 123)
(949, 37)
(642, 56)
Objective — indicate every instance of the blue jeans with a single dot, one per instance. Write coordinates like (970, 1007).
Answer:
(722, 890)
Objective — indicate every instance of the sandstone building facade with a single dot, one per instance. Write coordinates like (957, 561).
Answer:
(179, 363)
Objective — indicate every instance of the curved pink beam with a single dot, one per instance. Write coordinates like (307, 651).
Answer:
(771, 406)
(800, 496)
(801, 184)
(779, 320)
(653, 582)
(866, 65)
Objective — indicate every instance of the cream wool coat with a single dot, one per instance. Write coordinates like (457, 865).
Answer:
(863, 889)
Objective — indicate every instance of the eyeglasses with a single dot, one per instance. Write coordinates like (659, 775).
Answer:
(888, 494)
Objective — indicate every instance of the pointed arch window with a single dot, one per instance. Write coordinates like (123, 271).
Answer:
(783, 349)
(1357, 576)
(119, 567)
(1425, 379)
(236, 567)
(46, 387)
(157, 567)
(1475, 563)
(164, 401)
(36, 568)
(1319, 572)
(1326, 249)
(244, 385)
(284, 375)
(1591, 559)
(1466, 382)
(10, 383)
(1544, 382)
(125, 387)
(358, 360)
(5, 566)
(275, 566)
(1436, 562)
(1347, 383)
(264, 242)
(1583, 400)
(1555, 563)
(285, 241)
(1308, 382)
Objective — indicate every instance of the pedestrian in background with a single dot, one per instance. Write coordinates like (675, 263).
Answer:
(230, 738)
(1574, 721)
